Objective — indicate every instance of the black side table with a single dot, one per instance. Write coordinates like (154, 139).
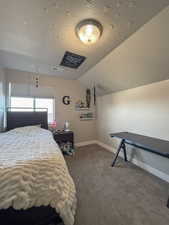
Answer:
(64, 137)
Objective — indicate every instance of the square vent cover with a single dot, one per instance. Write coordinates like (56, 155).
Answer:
(72, 60)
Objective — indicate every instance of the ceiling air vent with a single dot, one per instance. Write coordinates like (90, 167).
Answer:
(72, 60)
(58, 68)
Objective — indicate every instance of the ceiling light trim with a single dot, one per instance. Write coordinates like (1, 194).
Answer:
(91, 22)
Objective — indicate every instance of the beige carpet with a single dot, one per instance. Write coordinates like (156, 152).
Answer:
(123, 195)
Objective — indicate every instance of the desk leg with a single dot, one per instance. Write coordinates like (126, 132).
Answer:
(168, 203)
(117, 153)
(124, 150)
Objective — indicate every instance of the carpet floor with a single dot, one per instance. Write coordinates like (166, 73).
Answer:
(123, 195)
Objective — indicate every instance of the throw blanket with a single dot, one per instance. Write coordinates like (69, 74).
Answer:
(33, 172)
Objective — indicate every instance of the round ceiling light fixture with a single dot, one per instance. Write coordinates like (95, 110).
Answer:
(89, 31)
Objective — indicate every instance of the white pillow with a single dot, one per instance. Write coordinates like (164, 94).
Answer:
(27, 128)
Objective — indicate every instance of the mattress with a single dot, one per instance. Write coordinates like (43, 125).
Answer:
(33, 173)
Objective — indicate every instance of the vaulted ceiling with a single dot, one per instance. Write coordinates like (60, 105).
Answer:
(140, 60)
(34, 34)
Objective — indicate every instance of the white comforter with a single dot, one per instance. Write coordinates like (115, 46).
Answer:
(33, 172)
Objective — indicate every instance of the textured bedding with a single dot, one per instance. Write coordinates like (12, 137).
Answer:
(33, 172)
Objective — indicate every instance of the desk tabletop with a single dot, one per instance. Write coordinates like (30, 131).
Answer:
(155, 145)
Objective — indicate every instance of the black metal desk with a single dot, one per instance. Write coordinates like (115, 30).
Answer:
(154, 145)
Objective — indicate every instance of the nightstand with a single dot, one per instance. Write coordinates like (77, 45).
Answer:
(63, 137)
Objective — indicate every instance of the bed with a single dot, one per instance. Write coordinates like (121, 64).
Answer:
(35, 185)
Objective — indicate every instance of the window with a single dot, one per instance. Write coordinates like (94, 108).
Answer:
(46, 103)
(22, 104)
(31, 104)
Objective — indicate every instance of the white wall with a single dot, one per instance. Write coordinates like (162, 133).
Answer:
(2, 98)
(57, 88)
(143, 110)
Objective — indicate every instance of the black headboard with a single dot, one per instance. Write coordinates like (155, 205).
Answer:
(21, 119)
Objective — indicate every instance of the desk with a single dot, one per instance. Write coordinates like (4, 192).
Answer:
(154, 145)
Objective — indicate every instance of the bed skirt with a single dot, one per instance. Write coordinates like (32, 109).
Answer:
(44, 215)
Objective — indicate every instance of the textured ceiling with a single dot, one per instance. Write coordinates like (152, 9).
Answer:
(141, 59)
(34, 34)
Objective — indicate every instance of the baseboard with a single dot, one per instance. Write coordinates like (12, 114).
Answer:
(138, 163)
(84, 143)
(151, 170)
(107, 147)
